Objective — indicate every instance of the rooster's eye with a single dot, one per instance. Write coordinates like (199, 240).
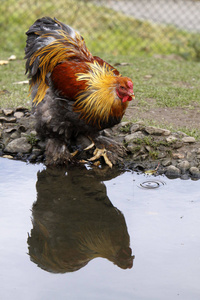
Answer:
(122, 87)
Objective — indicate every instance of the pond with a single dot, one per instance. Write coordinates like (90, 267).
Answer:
(84, 233)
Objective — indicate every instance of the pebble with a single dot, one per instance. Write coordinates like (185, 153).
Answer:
(8, 119)
(157, 131)
(137, 127)
(7, 112)
(7, 156)
(18, 145)
(188, 139)
(178, 155)
(172, 171)
(184, 166)
(134, 136)
(171, 139)
(18, 114)
(194, 171)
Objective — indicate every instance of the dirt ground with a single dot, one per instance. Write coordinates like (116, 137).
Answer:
(177, 117)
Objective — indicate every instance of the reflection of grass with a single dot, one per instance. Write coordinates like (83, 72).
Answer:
(102, 28)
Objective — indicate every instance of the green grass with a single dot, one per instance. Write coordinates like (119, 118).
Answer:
(103, 29)
(173, 83)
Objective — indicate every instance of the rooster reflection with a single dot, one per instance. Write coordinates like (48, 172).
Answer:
(74, 222)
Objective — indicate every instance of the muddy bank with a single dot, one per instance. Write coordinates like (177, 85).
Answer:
(148, 148)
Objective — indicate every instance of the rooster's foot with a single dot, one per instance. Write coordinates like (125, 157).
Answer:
(98, 153)
(90, 146)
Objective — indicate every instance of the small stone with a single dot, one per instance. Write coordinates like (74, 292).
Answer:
(148, 148)
(12, 57)
(167, 162)
(161, 155)
(171, 139)
(157, 131)
(133, 147)
(7, 112)
(184, 165)
(10, 129)
(177, 145)
(15, 135)
(178, 155)
(134, 136)
(18, 114)
(190, 156)
(172, 171)
(18, 145)
(188, 139)
(198, 151)
(194, 171)
(137, 127)
(8, 119)
(33, 132)
(7, 156)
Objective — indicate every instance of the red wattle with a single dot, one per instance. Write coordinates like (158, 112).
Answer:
(126, 98)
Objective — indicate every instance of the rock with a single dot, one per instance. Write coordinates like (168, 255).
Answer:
(18, 114)
(19, 145)
(157, 131)
(133, 147)
(171, 139)
(194, 171)
(172, 171)
(167, 162)
(184, 166)
(178, 155)
(10, 129)
(177, 145)
(137, 127)
(8, 156)
(15, 135)
(8, 119)
(12, 57)
(188, 139)
(8, 112)
(134, 136)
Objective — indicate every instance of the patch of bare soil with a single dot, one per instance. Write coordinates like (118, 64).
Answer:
(177, 117)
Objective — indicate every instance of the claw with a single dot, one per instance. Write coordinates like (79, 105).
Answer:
(91, 145)
(101, 152)
(74, 153)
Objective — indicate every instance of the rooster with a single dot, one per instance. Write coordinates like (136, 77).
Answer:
(74, 93)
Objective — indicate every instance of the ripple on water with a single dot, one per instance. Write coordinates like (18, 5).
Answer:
(151, 184)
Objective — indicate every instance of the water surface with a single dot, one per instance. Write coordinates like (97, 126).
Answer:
(80, 234)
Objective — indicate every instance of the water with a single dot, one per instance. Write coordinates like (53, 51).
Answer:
(69, 235)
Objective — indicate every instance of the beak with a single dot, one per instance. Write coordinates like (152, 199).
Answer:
(132, 95)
